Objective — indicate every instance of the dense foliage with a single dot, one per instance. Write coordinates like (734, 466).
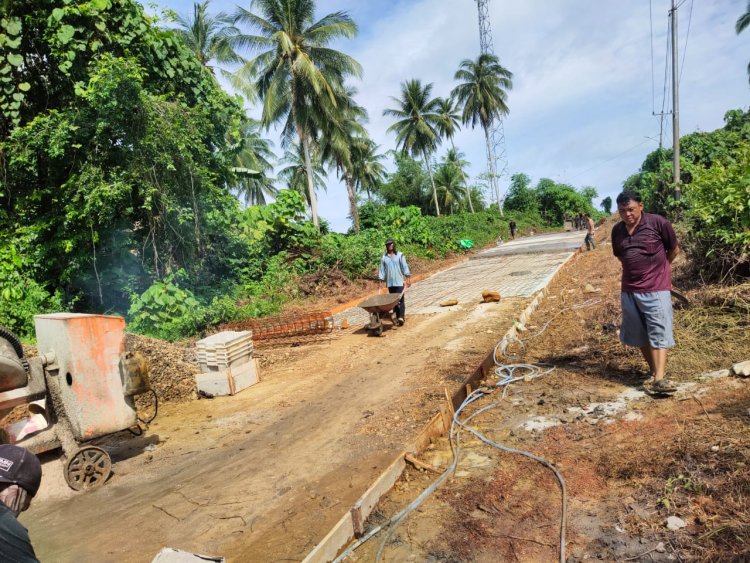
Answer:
(715, 209)
(114, 161)
(549, 200)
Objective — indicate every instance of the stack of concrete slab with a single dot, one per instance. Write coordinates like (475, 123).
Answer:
(227, 363)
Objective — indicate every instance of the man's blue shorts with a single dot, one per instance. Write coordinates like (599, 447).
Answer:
(647, 319)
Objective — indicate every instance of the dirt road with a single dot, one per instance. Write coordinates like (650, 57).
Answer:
(263, 475)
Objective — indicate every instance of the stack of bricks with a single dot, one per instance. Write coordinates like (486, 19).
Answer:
(226, 362)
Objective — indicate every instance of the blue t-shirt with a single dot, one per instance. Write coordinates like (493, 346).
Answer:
(393, 268)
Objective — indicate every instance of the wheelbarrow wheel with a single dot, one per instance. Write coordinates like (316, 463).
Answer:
(378, 331)
(88, 468)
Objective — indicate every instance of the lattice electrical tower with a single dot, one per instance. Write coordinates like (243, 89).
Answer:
(497, 160)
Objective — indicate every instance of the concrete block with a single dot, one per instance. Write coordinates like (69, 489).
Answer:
(230, 381)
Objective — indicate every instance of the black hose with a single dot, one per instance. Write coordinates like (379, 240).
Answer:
(156, 409)
(13, 340)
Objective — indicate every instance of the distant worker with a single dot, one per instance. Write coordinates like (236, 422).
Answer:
(589, 240)
(646, 245)
(393, 269)
(20, 477)
(513, 228)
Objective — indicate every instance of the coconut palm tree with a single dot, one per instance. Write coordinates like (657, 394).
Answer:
(448, 180)
(742, 22)
(212, 38)
(252, 165)
(294, 172)
(208, 36)
(337, 139)
(296, 72)
(369, 172)
(416, 128)
(448, 124)
(483, 93)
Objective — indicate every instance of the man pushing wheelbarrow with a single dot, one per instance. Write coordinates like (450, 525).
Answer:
(394, 271)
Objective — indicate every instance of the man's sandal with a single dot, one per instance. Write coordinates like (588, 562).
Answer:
(661, 388)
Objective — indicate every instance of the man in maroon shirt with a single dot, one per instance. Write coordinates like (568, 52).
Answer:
(646, 245)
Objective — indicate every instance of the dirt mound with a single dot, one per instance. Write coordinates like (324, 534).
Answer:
(173, 367)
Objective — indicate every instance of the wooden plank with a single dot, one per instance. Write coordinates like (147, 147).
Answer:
(432, 429)
(419, 464)
(328, 548)
(381, 486)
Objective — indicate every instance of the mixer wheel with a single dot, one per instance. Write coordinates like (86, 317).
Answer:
(88, 468)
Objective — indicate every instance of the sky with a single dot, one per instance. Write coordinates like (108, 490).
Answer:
(584, 93)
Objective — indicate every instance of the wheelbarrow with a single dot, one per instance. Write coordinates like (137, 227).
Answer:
(380, 306)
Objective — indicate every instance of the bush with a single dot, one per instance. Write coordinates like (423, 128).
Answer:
(717, 233)
(22, 297)
(165, 311)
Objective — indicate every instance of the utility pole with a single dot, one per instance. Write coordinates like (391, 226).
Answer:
(675, 107)
(496, 154)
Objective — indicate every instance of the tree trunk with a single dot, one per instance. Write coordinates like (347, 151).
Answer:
(491, 170)
(308, 162)
(349, 181)
(432, 181)
(466, 180)
(309, 173)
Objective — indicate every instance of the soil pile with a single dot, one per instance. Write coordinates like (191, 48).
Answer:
(173, 367)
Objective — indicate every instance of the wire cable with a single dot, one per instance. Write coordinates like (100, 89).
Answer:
(687, 36)
(507, 375)
(653, 85)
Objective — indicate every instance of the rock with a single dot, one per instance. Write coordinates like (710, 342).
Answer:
(490, 296)
(449, 303)
(742, 369)
(344, 324)
(660, 548)
(588, 288)
(675, 523)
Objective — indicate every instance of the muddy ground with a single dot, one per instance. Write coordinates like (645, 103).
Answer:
(630, 461)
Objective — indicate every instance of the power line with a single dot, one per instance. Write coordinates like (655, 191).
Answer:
(664, 92)
(687, 36)
(653, 86)
(612, 158)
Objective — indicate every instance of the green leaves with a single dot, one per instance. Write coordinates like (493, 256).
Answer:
(14, 59)
(12, 26)
(65, 34)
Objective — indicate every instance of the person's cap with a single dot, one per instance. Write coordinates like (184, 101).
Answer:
(20, 467)
(390, 241)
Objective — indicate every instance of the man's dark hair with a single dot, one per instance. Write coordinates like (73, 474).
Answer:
(627, 196)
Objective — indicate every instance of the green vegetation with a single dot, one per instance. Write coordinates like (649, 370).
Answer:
(549, 200)
(131, 183)
(714, 214)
